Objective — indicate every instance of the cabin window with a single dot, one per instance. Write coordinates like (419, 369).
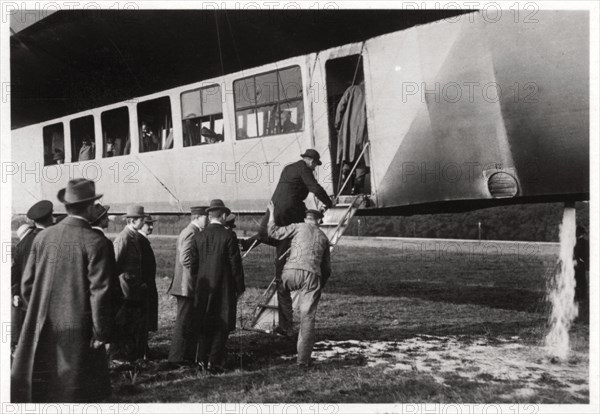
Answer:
(269, 104)
(202, 116)
(115, 132)
(54, 144)
(155, 125)
(83, 143)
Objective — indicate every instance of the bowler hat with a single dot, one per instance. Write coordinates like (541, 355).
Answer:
(230, 221)
(199, 210)
(135, 212)
(99, 212)
(316, 213)
(79, 190)
(314, 154)
(217, 204)
(40, 210)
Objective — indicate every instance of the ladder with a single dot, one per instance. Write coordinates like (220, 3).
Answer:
(335, 221)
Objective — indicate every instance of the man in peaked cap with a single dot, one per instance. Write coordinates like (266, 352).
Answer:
(184, 343)
(60, 356)
(132, 335)
(219, 284)
(41, 215)
(306, 271)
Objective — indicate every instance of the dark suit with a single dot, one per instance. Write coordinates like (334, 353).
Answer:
(20, 255)
(220, 281)
(296, 181)
(67, 284)
(149, 278)
(185, 337)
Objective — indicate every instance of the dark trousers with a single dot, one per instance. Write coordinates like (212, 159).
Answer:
(211, 348)
(185, 337)
(17, 316)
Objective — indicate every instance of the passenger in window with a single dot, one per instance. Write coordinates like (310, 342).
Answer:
(110, 148)
(211, 136)
(287, 125)
(88, 150)
(59, 157)
(150, 141)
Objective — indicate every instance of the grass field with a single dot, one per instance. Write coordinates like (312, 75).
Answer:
(423, 321)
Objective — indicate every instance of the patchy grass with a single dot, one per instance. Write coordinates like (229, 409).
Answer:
(375, 294)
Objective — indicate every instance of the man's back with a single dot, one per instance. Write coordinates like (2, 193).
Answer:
(186, 266)
(296, 181)
(309, 248)
(220, 278)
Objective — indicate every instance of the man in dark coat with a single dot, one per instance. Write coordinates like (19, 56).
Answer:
(149, 278)
(41, 214)
(219, 283)
(132, 334)
(296, 181)
(185, 338)
(66, 286)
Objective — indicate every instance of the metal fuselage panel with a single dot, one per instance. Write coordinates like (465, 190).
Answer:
(448, 105)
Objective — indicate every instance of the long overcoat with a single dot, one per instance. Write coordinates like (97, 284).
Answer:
(351, 124)
(20, 255)
(67, 285)
(220, 279)
(149, 278)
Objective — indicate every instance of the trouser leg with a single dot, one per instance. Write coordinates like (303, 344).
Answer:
(204, 346)
(218, 350)
(309, 296)
(17, 317)
(284, 300)
(183, 343)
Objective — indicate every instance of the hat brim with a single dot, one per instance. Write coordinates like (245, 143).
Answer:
(104, 213)
(310, 156)
(61, 198)
(228, 211)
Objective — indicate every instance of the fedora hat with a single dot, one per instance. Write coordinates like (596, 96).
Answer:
(78, 190)
(40, 210)
(230, 221)
(99, 212)
(217, 204)
(314, 154)
(200, 210)
(149, 219)
(135, 212)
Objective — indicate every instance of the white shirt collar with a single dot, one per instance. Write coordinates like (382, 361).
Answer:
(215, 221)
(143, 234)
(98, 228)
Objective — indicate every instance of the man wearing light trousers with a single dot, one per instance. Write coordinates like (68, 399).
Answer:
(307, 269)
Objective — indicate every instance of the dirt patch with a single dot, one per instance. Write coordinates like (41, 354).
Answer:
(481, 360)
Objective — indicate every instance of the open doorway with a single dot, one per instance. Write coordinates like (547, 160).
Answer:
(342, 74)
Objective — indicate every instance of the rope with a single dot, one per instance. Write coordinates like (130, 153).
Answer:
(162, 184)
